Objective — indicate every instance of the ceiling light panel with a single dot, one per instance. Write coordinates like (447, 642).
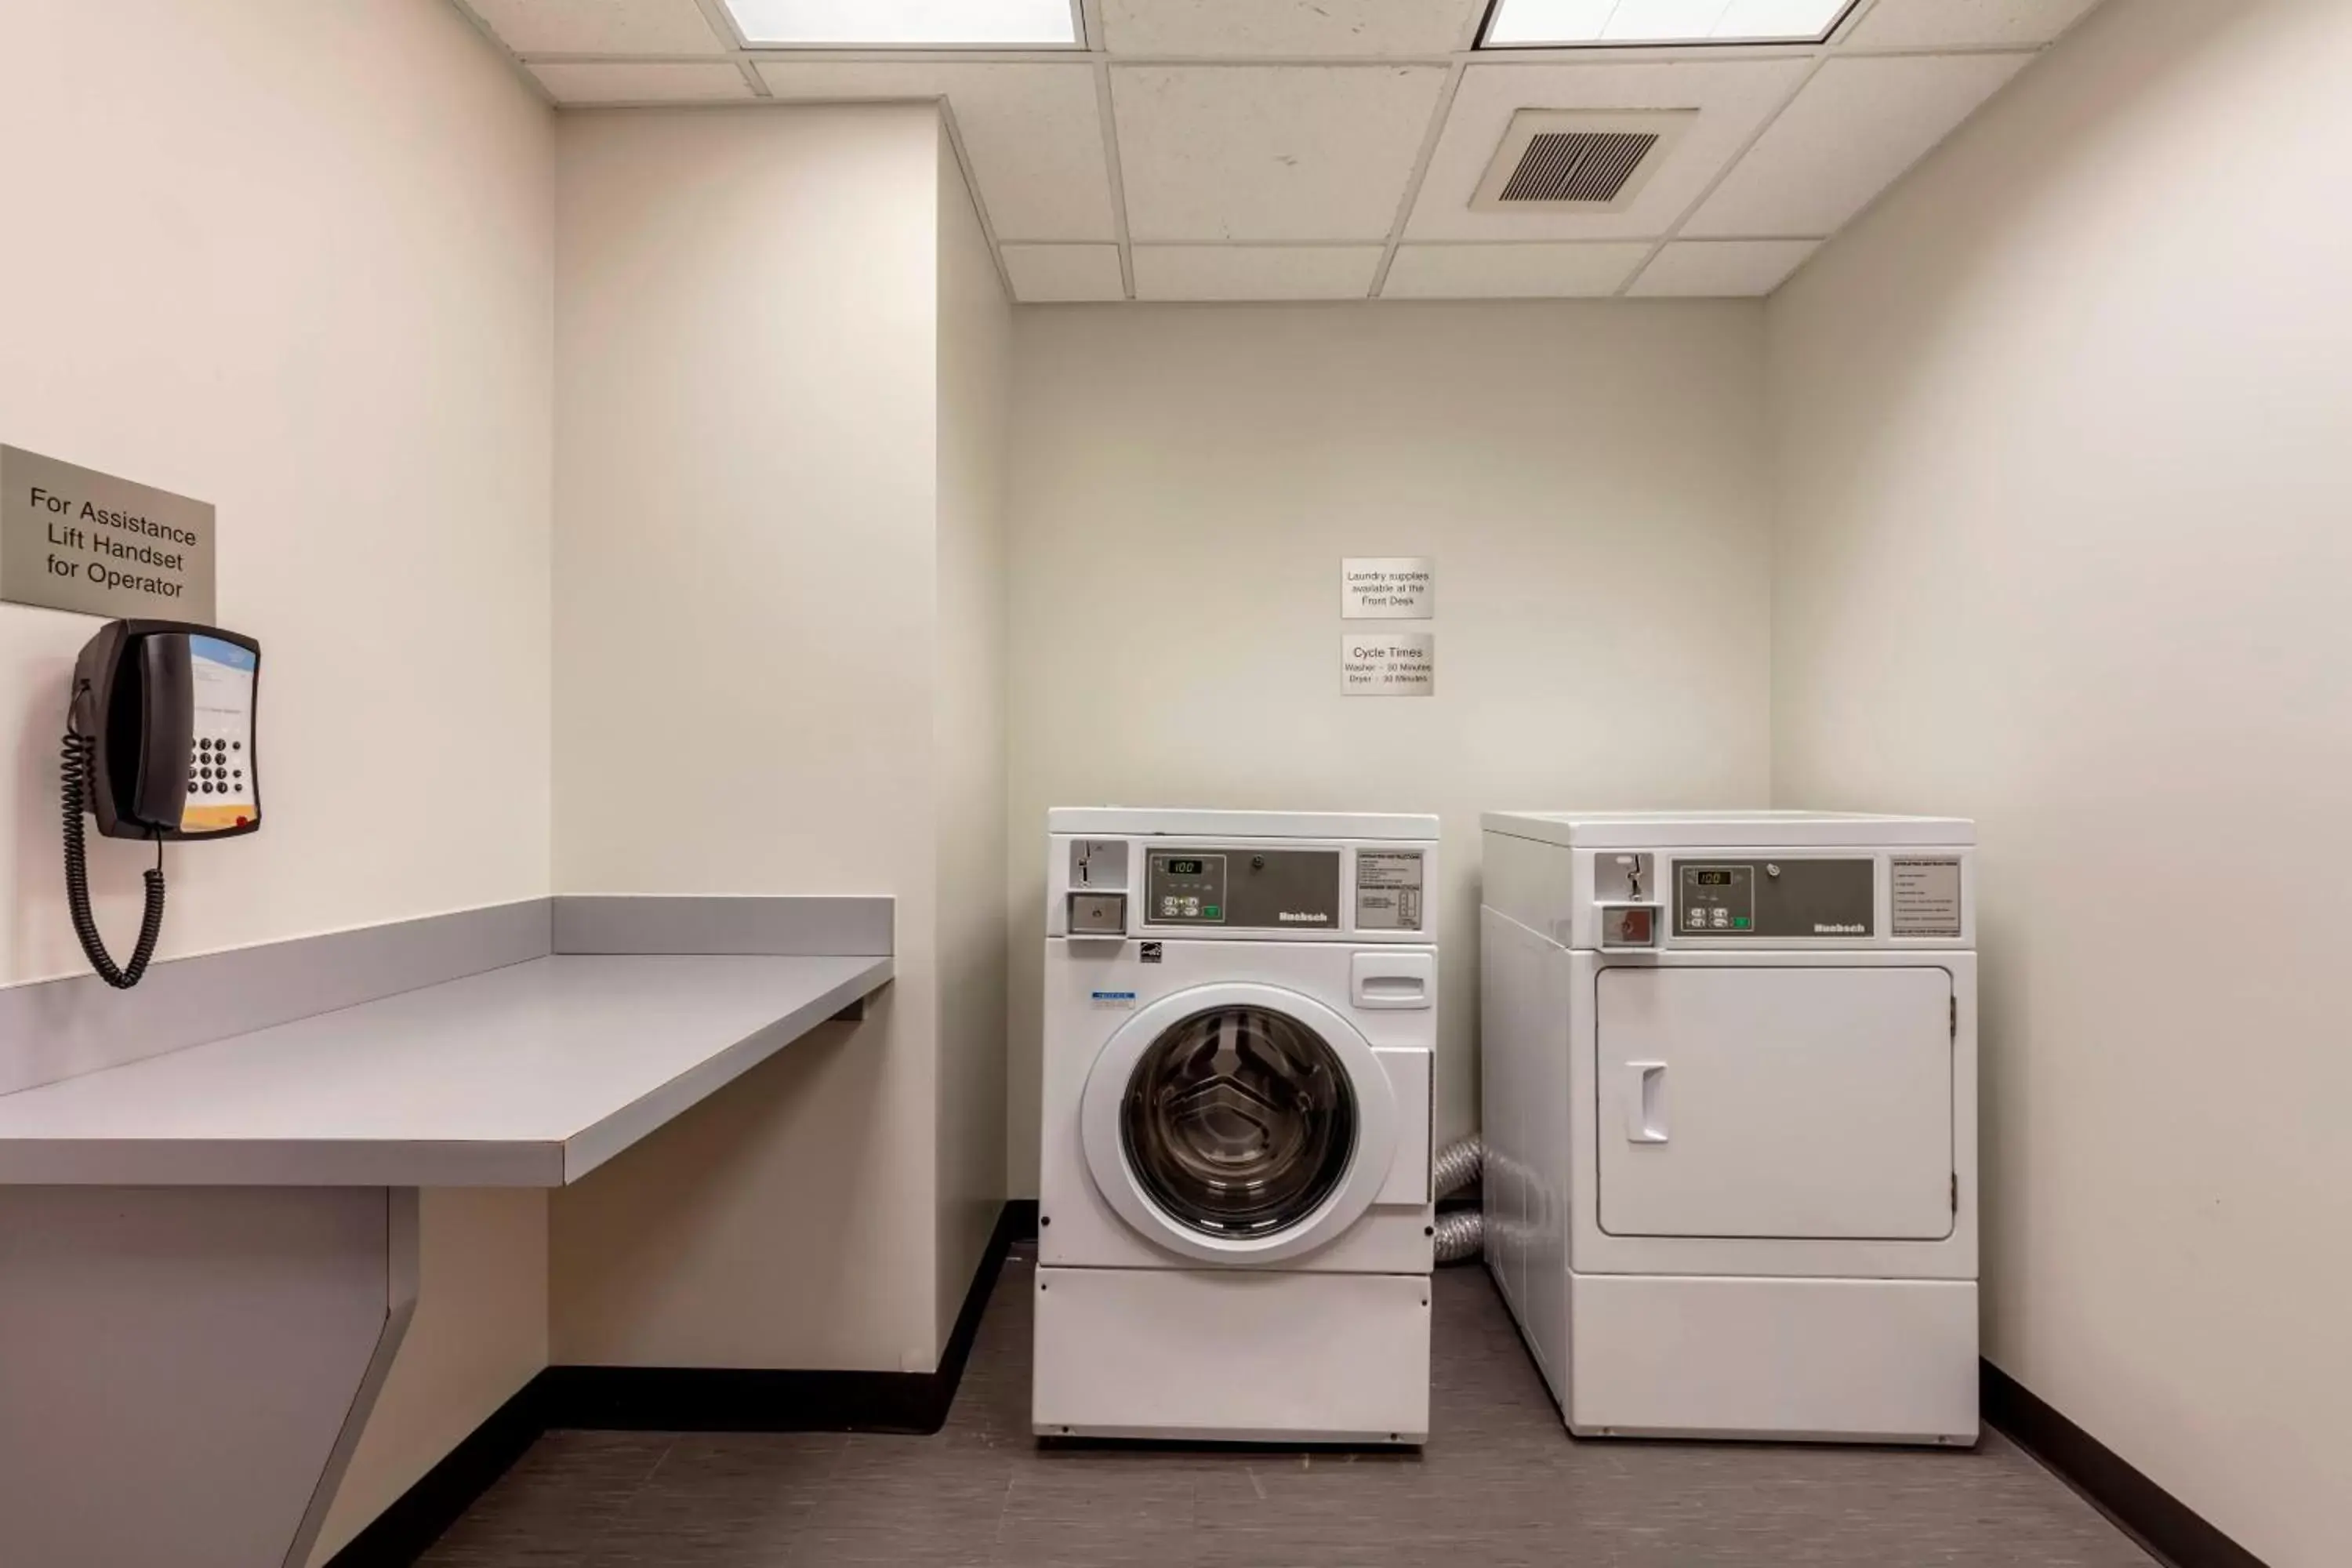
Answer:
(1585, 24)
(906, 24)
(1302, 29)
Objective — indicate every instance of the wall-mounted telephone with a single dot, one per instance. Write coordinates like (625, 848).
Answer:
(159, 744)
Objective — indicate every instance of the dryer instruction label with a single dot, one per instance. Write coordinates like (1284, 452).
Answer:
(1925, 897)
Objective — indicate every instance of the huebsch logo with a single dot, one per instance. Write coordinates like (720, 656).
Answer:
(1302, 917)
(1821, 930)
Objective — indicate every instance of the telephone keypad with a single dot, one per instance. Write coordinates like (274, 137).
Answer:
(208, 767)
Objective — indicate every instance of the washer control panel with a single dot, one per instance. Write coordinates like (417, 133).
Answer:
(1238, 887)
(1777, 899)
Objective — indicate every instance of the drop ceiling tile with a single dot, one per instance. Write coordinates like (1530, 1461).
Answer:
(600, 27)
(1269, 152)
(1723, 268)
(1733, 99)
(647, 81)
(1049, 274)
(1960, 24)
(1300, 28)
(1034, 133)
(1256, 272)
(1511, 271)
(1854, 131)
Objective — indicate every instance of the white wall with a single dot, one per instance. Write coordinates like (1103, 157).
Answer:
(2064, 545)
(747, 699)
(975, 370)
(298, 260)
(1591, 479)
(295, 260)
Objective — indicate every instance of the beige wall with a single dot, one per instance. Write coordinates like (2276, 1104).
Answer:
(1591, 480)
(298, 260)
(295, 260)
(2064, 545)
(479, 1335)
(975, 352)
(751, 602)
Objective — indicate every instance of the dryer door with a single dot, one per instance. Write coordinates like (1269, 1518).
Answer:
(1796, 1101)
(1239, 1123)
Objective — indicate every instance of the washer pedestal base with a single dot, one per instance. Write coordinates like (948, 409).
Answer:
(1232, 1355)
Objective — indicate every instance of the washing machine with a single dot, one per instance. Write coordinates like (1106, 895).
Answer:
(1235, 1210)
(1729, 1068)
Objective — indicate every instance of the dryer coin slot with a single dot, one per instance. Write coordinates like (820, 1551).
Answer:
(1624, 925)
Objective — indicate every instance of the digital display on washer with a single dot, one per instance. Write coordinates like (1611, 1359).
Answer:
(1187, 868)
(1717, 878)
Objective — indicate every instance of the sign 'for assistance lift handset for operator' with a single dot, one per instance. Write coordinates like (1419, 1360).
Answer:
(159, 744)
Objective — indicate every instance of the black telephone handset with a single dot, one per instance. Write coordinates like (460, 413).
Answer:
(159, 744)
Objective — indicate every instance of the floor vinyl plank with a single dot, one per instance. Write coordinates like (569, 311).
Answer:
(1501, 1485)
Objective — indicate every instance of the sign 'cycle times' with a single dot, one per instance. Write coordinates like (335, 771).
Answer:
(74, 539)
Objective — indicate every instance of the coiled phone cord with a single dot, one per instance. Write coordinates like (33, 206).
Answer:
(75, 787)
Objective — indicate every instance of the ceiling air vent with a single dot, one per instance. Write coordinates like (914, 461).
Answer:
(1564, 161)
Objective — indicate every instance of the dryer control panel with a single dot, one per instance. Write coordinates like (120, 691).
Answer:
(1778, 898)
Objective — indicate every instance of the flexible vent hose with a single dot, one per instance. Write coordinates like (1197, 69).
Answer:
(1457, 1165)
(74, 787)
(1461, 1233)
(1461, 1236)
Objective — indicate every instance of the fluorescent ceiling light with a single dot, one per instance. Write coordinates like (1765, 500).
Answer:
(1574, 24)
(906, 24)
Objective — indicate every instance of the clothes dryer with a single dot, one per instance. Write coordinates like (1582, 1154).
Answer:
(1730, 1114)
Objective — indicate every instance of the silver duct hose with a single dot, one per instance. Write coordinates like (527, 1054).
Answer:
(1461, 1236)
(1461, 1233)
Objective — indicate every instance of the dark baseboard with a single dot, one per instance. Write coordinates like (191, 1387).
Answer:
(730, 1399)
(683, 1399)
(2166, 1526)
(401, 1533)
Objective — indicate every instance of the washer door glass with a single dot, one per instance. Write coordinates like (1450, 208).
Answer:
(1239, 1122)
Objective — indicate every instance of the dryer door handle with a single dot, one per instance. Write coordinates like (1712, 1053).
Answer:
(1645, 1102)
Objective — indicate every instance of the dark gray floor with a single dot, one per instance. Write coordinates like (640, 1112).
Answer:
(1501, 1483)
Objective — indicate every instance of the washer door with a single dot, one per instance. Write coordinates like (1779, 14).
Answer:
(1238, 1124)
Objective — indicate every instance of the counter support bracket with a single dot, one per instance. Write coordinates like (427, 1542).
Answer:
(184, 1372)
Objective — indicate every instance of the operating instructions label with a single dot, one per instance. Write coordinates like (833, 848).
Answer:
(1925, 897)
(74, 539)
(1388, 890)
